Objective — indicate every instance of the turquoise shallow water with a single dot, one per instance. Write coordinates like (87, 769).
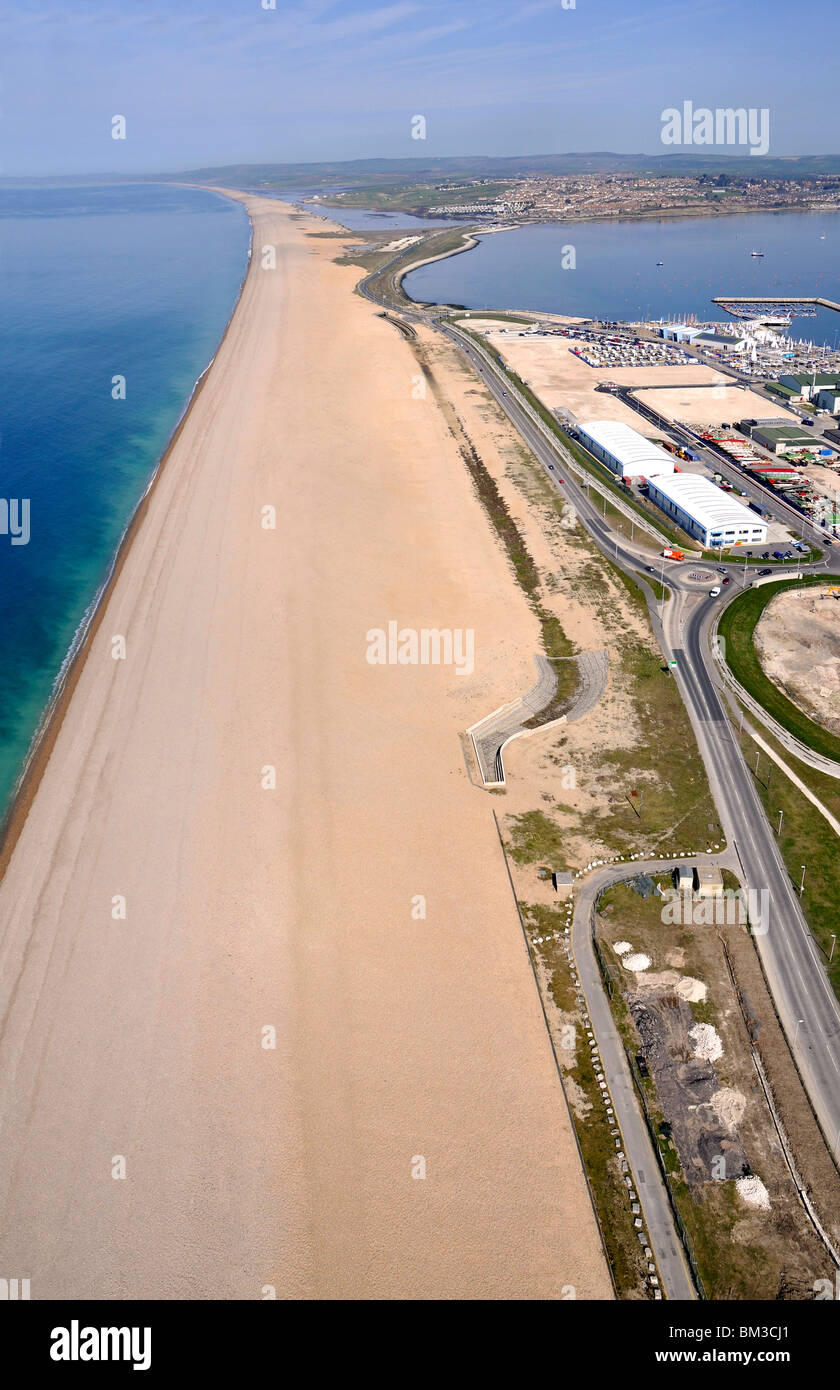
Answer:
(616, 276)
(137, 281)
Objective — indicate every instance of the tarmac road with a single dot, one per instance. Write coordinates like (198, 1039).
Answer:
(796, 975)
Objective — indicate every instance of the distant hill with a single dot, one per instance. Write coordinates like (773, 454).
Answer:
(420, 169)
(362, 173)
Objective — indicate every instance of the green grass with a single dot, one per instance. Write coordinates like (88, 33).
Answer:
(490, 314)
(535, 839)
(673, 807)
(661, 591)
(737, 627)
(414, 198)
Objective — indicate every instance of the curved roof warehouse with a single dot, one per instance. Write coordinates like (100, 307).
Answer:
(624, 450)
(705, 512)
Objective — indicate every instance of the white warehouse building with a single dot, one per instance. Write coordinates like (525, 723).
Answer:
(706, 512)
(624, 450)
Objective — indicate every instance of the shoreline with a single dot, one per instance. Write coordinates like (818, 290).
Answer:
(52, 717)
(246, 650)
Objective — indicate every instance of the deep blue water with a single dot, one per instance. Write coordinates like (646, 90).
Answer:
(137, 281)
(616, 275)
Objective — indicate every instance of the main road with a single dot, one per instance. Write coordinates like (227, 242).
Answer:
(797, 977)
(804, 999)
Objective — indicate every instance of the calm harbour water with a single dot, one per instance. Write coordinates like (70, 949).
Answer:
(95, 282)
(616, 276)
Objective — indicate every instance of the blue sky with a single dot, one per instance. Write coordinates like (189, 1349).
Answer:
(221, 81)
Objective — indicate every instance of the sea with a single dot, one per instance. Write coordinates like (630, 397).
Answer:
(96, 284)
(609, 270)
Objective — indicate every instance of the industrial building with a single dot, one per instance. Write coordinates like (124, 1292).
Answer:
(782, 439)
(624, 451)
(805, 387)
(726, 342)
(705, 512)
(828, 399)
(748, 425)
(679, 332)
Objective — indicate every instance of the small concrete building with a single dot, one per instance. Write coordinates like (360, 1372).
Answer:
(709, 881)
(684, 878)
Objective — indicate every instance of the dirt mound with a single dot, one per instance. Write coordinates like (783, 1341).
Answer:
(708, 1146)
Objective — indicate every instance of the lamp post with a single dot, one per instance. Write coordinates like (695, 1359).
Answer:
(796, 1032)
(779, 831)
(802, 884)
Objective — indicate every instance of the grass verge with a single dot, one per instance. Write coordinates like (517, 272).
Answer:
(737, 627)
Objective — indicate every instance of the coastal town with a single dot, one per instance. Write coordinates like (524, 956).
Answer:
(598, 195)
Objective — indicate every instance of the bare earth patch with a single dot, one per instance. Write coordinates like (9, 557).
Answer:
(797, 639)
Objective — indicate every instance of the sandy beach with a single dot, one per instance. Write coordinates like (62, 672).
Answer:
(258, 946)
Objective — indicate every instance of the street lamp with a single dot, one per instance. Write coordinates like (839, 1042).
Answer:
(802, 884)
(796, 1033)
(779, 831)
(833, 944)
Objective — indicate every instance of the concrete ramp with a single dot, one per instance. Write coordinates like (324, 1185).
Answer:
(491, 735)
